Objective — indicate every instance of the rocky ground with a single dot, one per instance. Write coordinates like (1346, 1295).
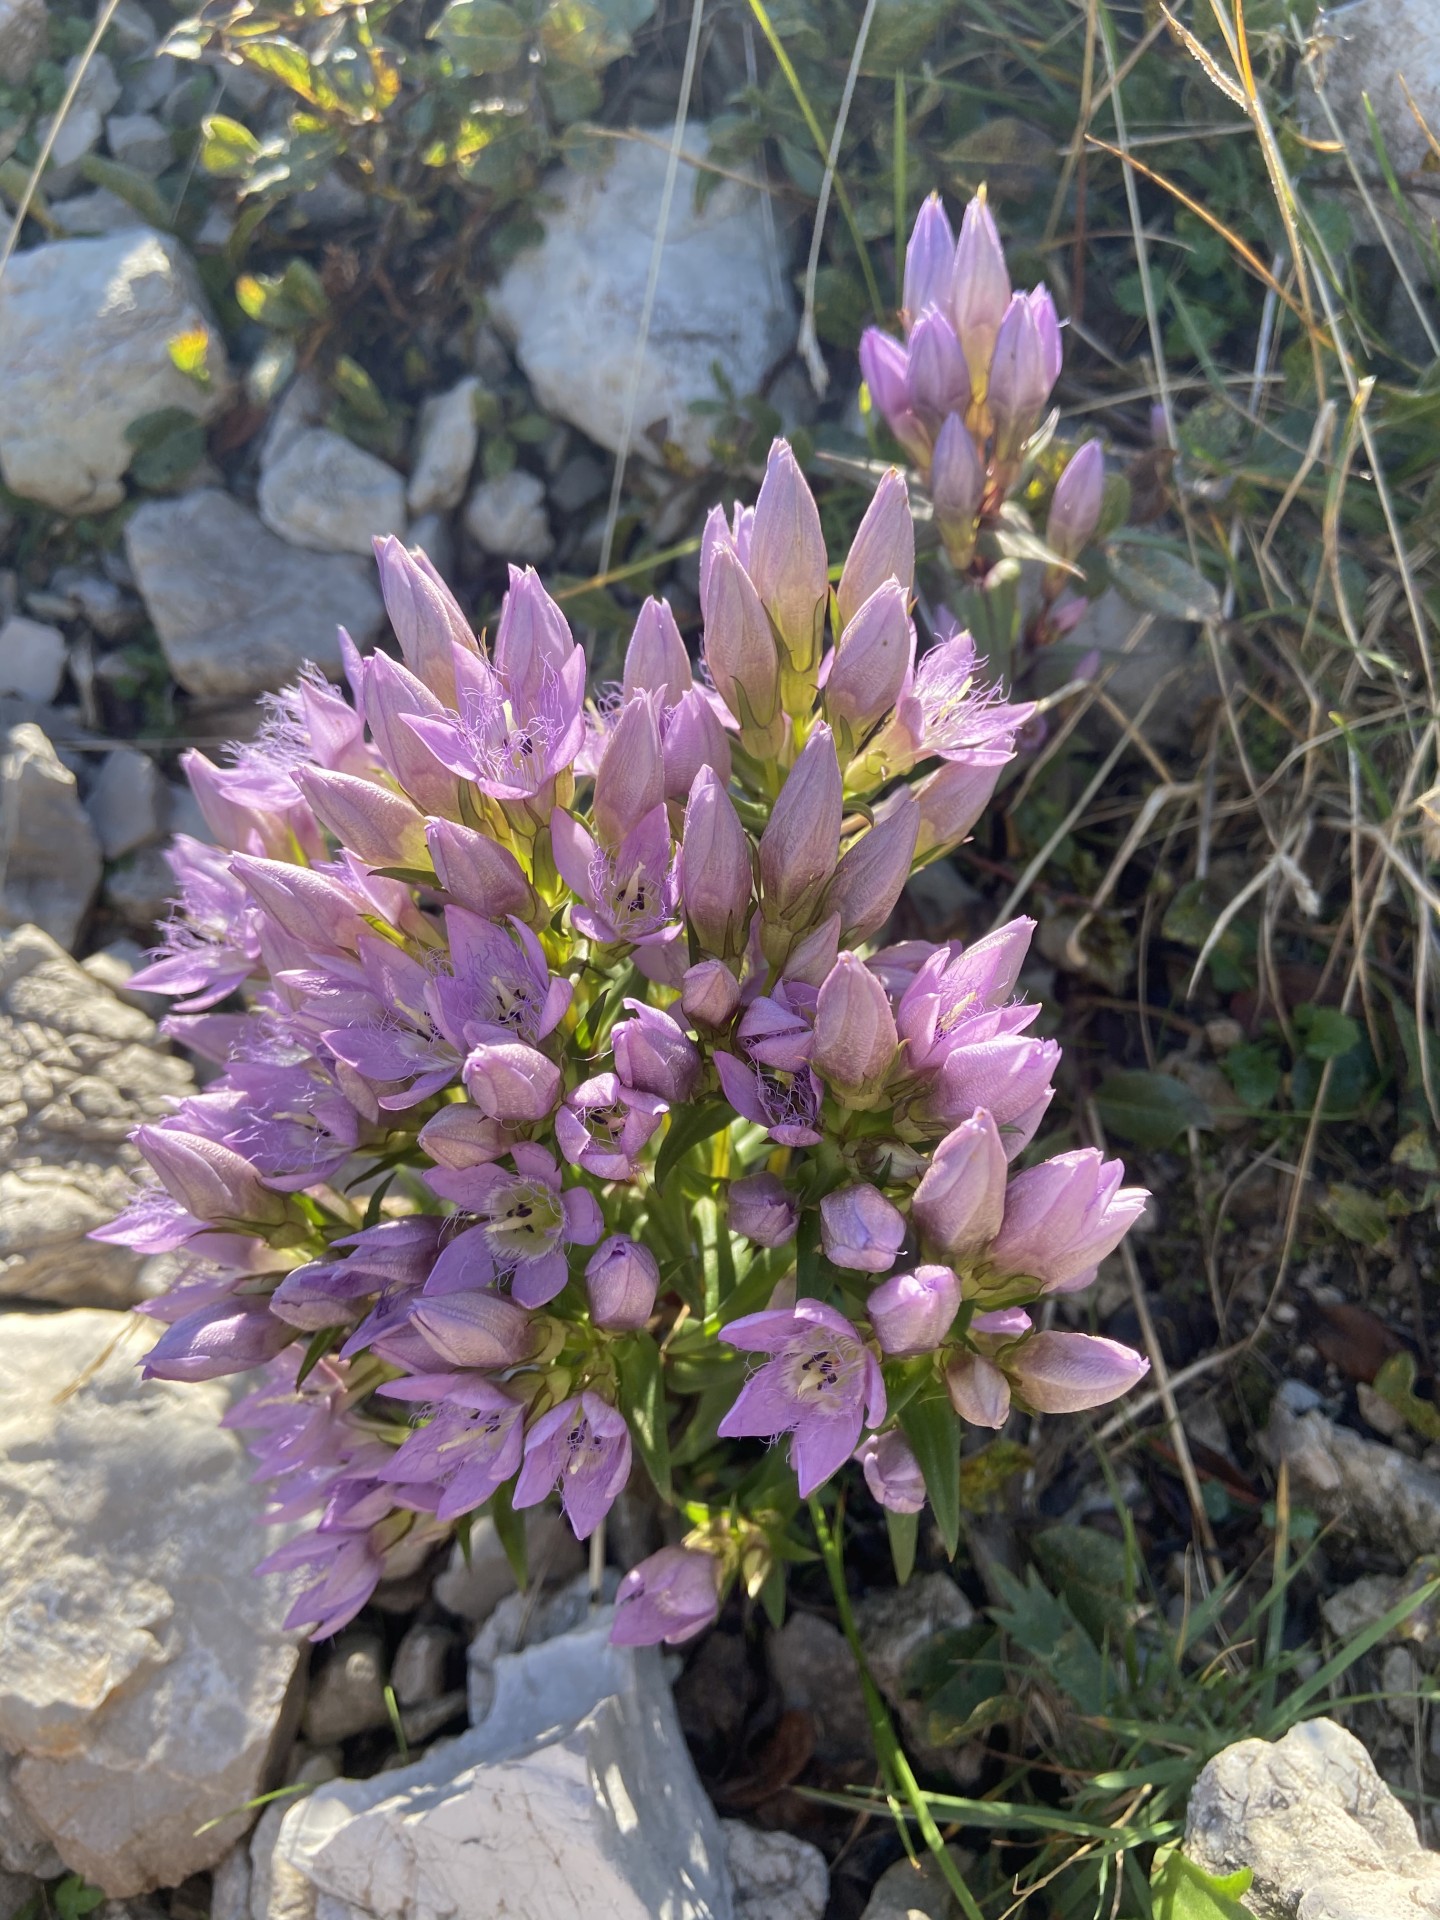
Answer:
(460, 1735)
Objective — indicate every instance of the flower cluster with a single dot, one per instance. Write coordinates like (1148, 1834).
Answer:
(564, 1103)
(966, 392)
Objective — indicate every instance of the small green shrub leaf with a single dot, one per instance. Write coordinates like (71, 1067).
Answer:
(1149, 1109)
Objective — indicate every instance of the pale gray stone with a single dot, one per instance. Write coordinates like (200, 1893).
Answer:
(140, 141)
(774, 1876)
(431, 533)
(145, 1670)
(49, 857)
(99, 602)
(1370, 1490)
(85, 333)
(88, 216)
(576, 1799)
(238, 610)
(230, 1886)
(80, 130)
(114, 964)
(24, 31)
(1323, 1834)
(573, 304)
(418, 1671)
(816, 1674)
(277, 1891)
(347, 1695)
(78, 1071)
(141, 888)
(446, 442)
(32, 659)
(906, 1892)
(1365, 50)
(507, 517)
(24, 1849)
(128, 802)
(524, 1620)
(326, 493)
(17, 1890)
(1168, 660)
(894, 1624)
(473, 1588)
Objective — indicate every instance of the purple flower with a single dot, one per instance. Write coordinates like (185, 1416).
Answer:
(872, 661)
(1063, 1217)
(211, 943)
(1023, 369)
(393, 698)
(960, 1202)
(672, 1596)
(583, 1447)
(380, 826)
(1008, 1075)
(351, 1567)
(883, 548)
(629, 895)
(979, 1391)
(477, 872)
(229, 1337)
(873, 869)
(476, 1328)
(709, 994)
(290, 1122)
(654, 1054)
(630, 779)
(763, 1210)
(777, 1088)
(936, 374)
(694, 737)
(211, 1181)
(521, 721)
(656, 660)
(739, 646)
(604, 1125)
(512, 1083)
(855, 1037)
(957, 489)
(787, 562)
(892, 1472)
(912, 1312)
(1076, 503)
(821, 1384)
(716, 876)
(622, 1280)
(952, 993)
(427, 622)
(470, 1446)
(947, 712)
(929, 259)
(525, 1222)
(801, 841)
(979, 288)
(860, 1229)
(1071, 1372)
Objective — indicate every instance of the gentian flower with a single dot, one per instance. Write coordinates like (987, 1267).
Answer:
(821, 1384)
(672, 1596)
(583, 1447)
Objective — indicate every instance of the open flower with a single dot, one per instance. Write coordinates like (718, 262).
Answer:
(821, 1384)
(525, 1222)
(672, 1596)
(583, 1448)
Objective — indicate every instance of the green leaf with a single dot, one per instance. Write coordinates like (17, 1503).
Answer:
(320, 1343)
(1254, 1071)
(75, 1896)
(131, 187)
(642, 1401)
(1183, 1891)
(1159, 581)
(1395, 1382)
(227, 147)
(1360, 1216)
(933, 1430)
(510, 1532)
(904, 1532)
(168, 443)
(1091, 1571)
(1325, 1033)
(481, 36)
(687, 1129)
(1046, 1627)
(1149, 1109)
(958, 1677)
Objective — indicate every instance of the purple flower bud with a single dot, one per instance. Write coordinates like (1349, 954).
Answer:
(476, 1329)
(312, 909)
(873, 870)
(709, 994)
(980, 289)
(1007, 1075)
(533, 641)
(1076, 503)
(892, 1473)
(929, 259)
(375, 823)
(787, 560)
(392, 694)
(763, 1209)
(815, 953)
(939, 377)
(655, 1054)
(622, 1280)
(460, 1137)
(860, 1229)
(228, 1337)
(872, 661)
(883, 548)
(1020, 373)
(694, 737)
(801, 841)
(630, 780)
(1071, 1372)
(672, 1596)
(715, 873)
(960, 1203)
(1063, 1217)
(957, 487)
(952, 799)
(978, 1391)
(583, 1447)
(855, 1037)
(738, 644)
(212, 1182)
(912, 1312)
(477, 872)
(885, 368)
(427, 622)
(511, 1082)
(656, 660)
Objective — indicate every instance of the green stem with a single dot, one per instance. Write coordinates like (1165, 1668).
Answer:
(900, 1781)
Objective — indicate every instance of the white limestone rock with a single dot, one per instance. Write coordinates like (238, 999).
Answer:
(774, 1876)
(32, 659)
(1369, 48)
(1325, 1837)
(49, 857)
(575, 1798)
(85, 333)
(472, 1587)
(238, 610)
(128, 803)
(140, 141)
(507, 517)
(326, 493)
(80, 1070)
(446, 442)
(80, 130)
(145, 1671)
(1369, 1490)
(572, 305)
